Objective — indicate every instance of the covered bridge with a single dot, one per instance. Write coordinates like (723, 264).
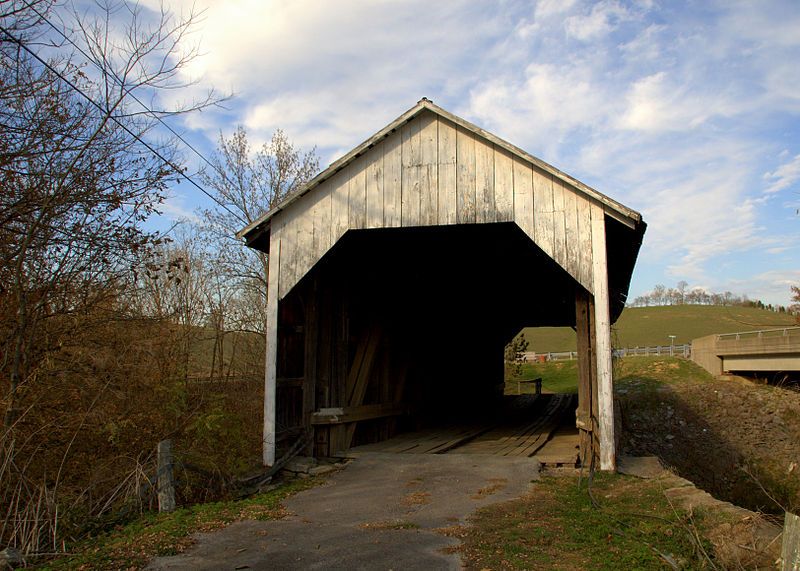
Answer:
(398, 275)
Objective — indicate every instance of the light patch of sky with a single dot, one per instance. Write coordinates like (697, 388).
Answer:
(687, 112)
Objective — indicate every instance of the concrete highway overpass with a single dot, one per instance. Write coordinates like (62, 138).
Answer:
(768, 351)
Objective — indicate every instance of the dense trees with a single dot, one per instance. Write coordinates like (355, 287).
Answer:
(113, 337)
(87, 367)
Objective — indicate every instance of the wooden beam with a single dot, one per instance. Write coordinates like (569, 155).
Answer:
(358, 378)
(583, 414)
(270, 378)
(290, 382)
(790, 548)
(311, 330)
(341, 415)
(602, 328)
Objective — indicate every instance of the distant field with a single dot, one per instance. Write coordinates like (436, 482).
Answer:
(650, 326)
(557, 377)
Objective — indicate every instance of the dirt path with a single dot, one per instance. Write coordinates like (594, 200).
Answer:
(381, 512)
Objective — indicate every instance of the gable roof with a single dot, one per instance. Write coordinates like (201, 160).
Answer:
(616, 210)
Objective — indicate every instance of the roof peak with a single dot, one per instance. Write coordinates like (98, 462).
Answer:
(611, 206)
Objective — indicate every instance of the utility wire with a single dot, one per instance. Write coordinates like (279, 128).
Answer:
(124, 127)
(133, 96)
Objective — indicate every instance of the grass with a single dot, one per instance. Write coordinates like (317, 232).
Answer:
(557, 527)
(731, 438)
(153, 535)
(562, 376)
(650, 326)
(557, 377)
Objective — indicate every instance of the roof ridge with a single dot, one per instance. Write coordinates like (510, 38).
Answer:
(612, 207)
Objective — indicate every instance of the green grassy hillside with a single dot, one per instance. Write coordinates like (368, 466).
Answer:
(650, 326)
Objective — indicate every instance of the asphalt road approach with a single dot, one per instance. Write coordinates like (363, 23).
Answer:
(380, 512)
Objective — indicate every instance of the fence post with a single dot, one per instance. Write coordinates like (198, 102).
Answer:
(165, 480)
(790, 551)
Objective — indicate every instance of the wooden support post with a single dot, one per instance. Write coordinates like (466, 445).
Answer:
(602, 329)
(584, 415)
(310, 358)
(166, 479)
(790, 549)
(270, 377)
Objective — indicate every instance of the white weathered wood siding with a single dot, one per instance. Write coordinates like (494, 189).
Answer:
(428, 172)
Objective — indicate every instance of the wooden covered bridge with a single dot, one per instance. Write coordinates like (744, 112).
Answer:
(398, 274)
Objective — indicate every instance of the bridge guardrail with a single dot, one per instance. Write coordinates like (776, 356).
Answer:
(684, 350)
(776, 332)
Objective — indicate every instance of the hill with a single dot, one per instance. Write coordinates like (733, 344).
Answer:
(651, 326)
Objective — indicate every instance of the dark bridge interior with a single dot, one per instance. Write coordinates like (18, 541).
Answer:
(403, 327)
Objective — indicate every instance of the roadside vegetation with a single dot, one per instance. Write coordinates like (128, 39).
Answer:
(567, 522)
(114, 336)
(557, 377)
(133, 545)
(736, 439)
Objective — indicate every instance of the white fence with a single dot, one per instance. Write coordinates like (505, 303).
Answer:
(684, 350)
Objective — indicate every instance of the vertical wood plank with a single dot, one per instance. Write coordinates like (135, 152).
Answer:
(339, 205)
(411, 173)
(543, 211)
(465, 176)
(304, 247)
(270, 374)
(357, 193)
(559, 224)
(447, 172)
(375, 186)
(429, 180)
(392, 180)
(584, 209)
(602, 321)
(571, 233)
(288, 259)
(322, 221)
(503, 185)
(524, 202)
(484, 182)
(583, 415)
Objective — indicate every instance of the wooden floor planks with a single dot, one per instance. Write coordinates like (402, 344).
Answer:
(522, 433)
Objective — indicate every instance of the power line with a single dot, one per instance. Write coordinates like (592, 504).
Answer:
(124, 127)
(121, 83)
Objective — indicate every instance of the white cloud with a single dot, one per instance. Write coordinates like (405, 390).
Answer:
(598, 21)
(785, 176)
(176, 208)
(543, 105)
(646, 45)
(548, 8)
(661, 102)
(677, 113)
(770, 287)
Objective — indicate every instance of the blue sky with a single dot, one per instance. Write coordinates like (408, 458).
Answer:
(688, 112)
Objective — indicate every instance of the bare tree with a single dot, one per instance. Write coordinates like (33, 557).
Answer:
(249, 183)
(78, 181)
(681, 288)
